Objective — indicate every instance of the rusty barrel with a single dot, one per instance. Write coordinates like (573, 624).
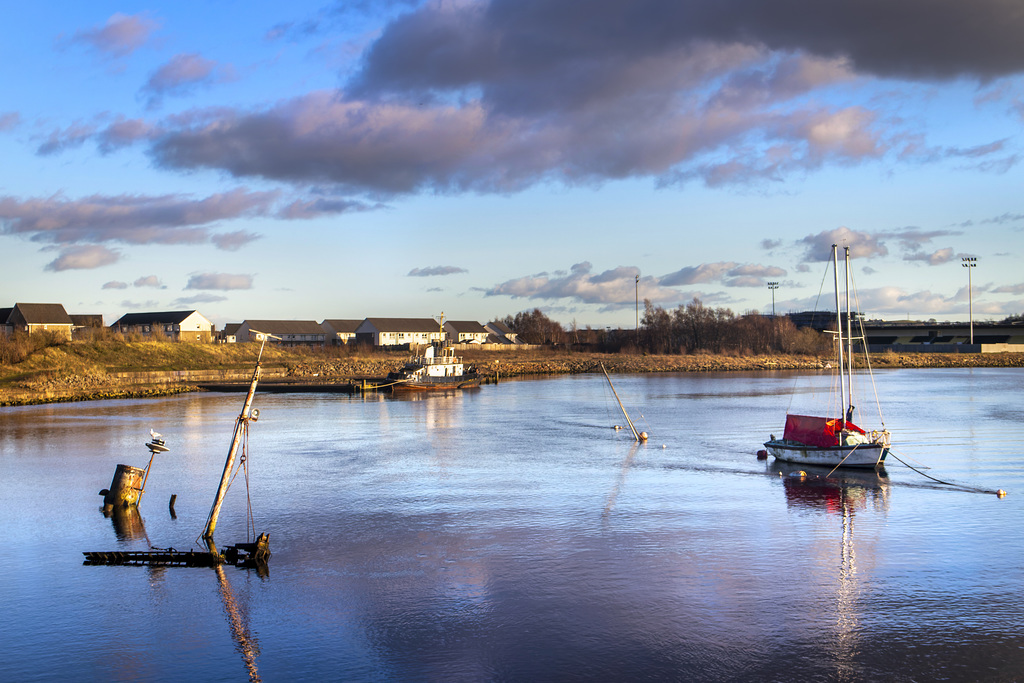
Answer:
(124, 488)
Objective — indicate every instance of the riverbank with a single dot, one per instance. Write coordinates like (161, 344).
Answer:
(92, 371)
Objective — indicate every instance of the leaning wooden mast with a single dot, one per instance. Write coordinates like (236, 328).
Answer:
(241, 425)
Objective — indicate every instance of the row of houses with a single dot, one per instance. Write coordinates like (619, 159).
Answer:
(373, 332)
(192, 326)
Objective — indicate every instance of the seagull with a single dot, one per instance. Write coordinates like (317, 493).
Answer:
(154, 435)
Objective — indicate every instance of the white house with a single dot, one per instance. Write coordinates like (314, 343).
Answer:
(399, 331)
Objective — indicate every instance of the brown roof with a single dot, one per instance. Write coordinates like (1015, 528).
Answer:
(87, 319)
(404, 324)
(280, 327)
(466, 326)
(41, 314)
(158, 318)
(499, 327)
(337, 325)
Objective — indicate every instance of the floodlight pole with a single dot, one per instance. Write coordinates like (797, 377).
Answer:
(773, 286)
(638, 310)
(970, 262)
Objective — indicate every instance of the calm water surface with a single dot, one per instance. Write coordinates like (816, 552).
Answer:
(508, 533)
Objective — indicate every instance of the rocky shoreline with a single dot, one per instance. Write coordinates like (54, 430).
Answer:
(492, 366)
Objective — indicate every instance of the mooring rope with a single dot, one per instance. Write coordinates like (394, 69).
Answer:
(962, 487)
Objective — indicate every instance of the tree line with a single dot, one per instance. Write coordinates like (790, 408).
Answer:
(689, 328)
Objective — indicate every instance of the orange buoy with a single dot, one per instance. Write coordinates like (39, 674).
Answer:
(762, 454)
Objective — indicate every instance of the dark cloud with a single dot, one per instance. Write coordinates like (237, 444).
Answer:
(1005, 218)
(198, 299)
(9, 120)
(729, 273)
(149, 281)
(233, 241)
(504, 43)
(83, 257)
(71, 137)
(220, 281)
(435, 270)
(862, 245)
(136, 305)
(1009, 289)
(457, 97)
(913, 238)
(936, 258)
(133, 219)
(183, 74)
(120, 36)
(616, 288)
(115, 284)
(322, 206)
(122, 133)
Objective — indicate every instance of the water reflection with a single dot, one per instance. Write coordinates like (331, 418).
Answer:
(245, 642)
(128, 524)
(820, 489)
(841, 494)
(620, 479)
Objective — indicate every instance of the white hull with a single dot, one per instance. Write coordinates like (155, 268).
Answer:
(863, 455)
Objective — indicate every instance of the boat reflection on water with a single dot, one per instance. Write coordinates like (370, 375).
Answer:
(128, 524)
(842, 494)
(825, 490)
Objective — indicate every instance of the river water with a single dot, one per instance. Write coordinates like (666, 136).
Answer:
(509, 533)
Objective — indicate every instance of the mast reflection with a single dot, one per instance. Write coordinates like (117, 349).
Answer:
(620, 479)
(841, 494)
(245, 641)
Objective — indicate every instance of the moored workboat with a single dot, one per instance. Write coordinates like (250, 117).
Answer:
(437, 368)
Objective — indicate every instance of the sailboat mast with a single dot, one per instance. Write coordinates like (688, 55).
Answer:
(636, 434)
(849, 334)
(839, 331)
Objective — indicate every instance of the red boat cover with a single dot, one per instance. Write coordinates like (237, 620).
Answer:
(815, 431)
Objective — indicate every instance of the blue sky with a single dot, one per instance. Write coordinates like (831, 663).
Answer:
(310, 160)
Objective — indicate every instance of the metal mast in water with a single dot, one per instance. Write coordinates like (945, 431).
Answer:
(639, 436)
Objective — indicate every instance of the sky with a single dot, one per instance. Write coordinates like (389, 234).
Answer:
(312, 160)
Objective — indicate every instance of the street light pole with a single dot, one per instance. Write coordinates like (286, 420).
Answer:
(968, 263)
(773, 286)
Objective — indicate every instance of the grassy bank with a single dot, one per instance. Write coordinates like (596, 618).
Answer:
(116, 369)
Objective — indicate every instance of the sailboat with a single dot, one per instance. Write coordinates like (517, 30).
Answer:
(833, 441)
